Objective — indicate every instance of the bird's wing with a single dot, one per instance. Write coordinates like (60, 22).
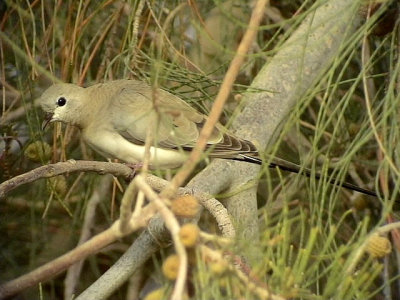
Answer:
(176, 124)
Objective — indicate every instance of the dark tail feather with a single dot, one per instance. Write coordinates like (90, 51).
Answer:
(293, 168)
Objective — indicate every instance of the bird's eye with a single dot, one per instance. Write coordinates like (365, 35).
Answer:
(61, 101)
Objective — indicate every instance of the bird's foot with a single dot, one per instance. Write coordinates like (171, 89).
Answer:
(134, 167)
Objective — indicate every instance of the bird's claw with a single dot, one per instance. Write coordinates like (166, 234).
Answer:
(134, 167)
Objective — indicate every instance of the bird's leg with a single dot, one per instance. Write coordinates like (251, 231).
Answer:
(134, 167)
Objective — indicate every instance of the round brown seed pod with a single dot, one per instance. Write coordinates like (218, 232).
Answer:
(189, 234)
(170, 267)
(185, 206)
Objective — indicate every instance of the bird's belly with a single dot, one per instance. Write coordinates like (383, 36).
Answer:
(159, 157)
(115, 146)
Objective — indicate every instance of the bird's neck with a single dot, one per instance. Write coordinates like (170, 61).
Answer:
(91, 113)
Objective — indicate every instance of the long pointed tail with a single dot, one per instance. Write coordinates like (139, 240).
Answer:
(293, 168)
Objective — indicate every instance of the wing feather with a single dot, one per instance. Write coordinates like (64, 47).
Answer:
(177, 125)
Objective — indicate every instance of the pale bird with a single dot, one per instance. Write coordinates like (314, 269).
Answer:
(114, 118)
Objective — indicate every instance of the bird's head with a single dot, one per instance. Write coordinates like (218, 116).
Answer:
(64, 103)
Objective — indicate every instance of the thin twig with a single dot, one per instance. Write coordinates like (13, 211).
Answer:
(61, 263)
(17, 50)
(368, 102)
(360, 251)
(135, 33)
(220, 100)
(73, 273)
(261, 291)
(170, 45)
(94, 51)
(173, 226)
(126, 207)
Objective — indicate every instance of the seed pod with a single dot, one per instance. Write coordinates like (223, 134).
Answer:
(218, 267)
(57, 185)
(185, 206)
(189, 234)
(378, 246)
(38, 151)
(170, 267)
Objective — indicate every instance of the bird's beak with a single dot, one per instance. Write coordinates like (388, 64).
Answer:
(47, 119)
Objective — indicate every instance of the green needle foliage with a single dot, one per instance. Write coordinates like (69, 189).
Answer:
(316, 240)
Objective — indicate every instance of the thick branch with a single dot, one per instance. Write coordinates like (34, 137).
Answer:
(302, 59)
(300, 62)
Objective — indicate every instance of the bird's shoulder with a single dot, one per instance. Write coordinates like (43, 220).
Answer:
(137, 95)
